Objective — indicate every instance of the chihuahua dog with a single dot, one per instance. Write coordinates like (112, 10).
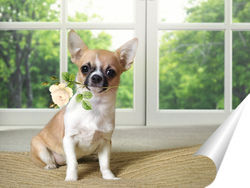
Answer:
(75, 132)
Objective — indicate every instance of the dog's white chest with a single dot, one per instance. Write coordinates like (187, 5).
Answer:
(88, 128)
(88, 140)
(89, 137)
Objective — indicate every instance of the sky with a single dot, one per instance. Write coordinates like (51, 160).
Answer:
(122, 11)
(110, 11)
(172, 10)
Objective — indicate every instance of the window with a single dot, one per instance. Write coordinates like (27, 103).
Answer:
(191, 66)
(34, 47)
(198, 60)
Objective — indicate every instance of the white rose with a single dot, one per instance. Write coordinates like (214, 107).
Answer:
(60, 94)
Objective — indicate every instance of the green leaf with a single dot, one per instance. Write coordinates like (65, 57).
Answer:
(79, 98)
(65, 76)
(86, 105)
(87, 95)
(53, 78)
(45, 83)
(72, 77)
(71, 85)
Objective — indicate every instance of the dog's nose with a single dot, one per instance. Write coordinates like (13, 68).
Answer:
(96, 79)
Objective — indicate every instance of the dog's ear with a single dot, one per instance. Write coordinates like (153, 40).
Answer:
(126, 53)
(76, 46)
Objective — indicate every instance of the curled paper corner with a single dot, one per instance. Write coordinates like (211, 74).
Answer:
(228, 147)
(215, 147)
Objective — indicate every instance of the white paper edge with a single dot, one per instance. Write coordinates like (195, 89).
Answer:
(234, 168)
(216, 146)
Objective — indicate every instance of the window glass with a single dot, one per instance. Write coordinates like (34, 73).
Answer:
(101, 11)
(191, 70)
(241, 11)
(183, 11)
(110, 40)
(27, 58)
(241, 66)
(30, 11)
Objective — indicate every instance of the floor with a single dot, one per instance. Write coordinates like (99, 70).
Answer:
(125, 138)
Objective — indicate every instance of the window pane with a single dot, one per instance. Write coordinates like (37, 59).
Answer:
(110, 40)
(30, 11)
(191, 70)
(241, 11)
(183, 11)
(101, 11)
(27, 58)
(241, 66)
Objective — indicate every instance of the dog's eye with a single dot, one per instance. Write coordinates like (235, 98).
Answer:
(111, 73)
(85, 69)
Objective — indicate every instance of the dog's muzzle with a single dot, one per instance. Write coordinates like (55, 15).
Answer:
(96, 82)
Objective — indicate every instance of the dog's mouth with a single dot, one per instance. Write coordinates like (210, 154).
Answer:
(94, 88)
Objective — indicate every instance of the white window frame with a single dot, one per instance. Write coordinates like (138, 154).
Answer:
(138, 115)
(187, 117)
(135, 116)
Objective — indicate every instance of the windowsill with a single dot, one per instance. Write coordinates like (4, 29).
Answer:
(124, 139)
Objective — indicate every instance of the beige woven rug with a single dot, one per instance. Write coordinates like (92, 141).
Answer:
(165, 168)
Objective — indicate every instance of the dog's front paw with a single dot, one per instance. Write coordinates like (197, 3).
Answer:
(108, 175)
(70, 178)
(71, 175)
(114, 178)
(110, 178)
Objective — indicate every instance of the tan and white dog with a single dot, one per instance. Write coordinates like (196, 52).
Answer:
(75, 132)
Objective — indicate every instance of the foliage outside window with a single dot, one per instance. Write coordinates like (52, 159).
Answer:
(28, 57)
(192, 62)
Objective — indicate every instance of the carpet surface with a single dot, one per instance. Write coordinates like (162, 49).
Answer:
(164, 168)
